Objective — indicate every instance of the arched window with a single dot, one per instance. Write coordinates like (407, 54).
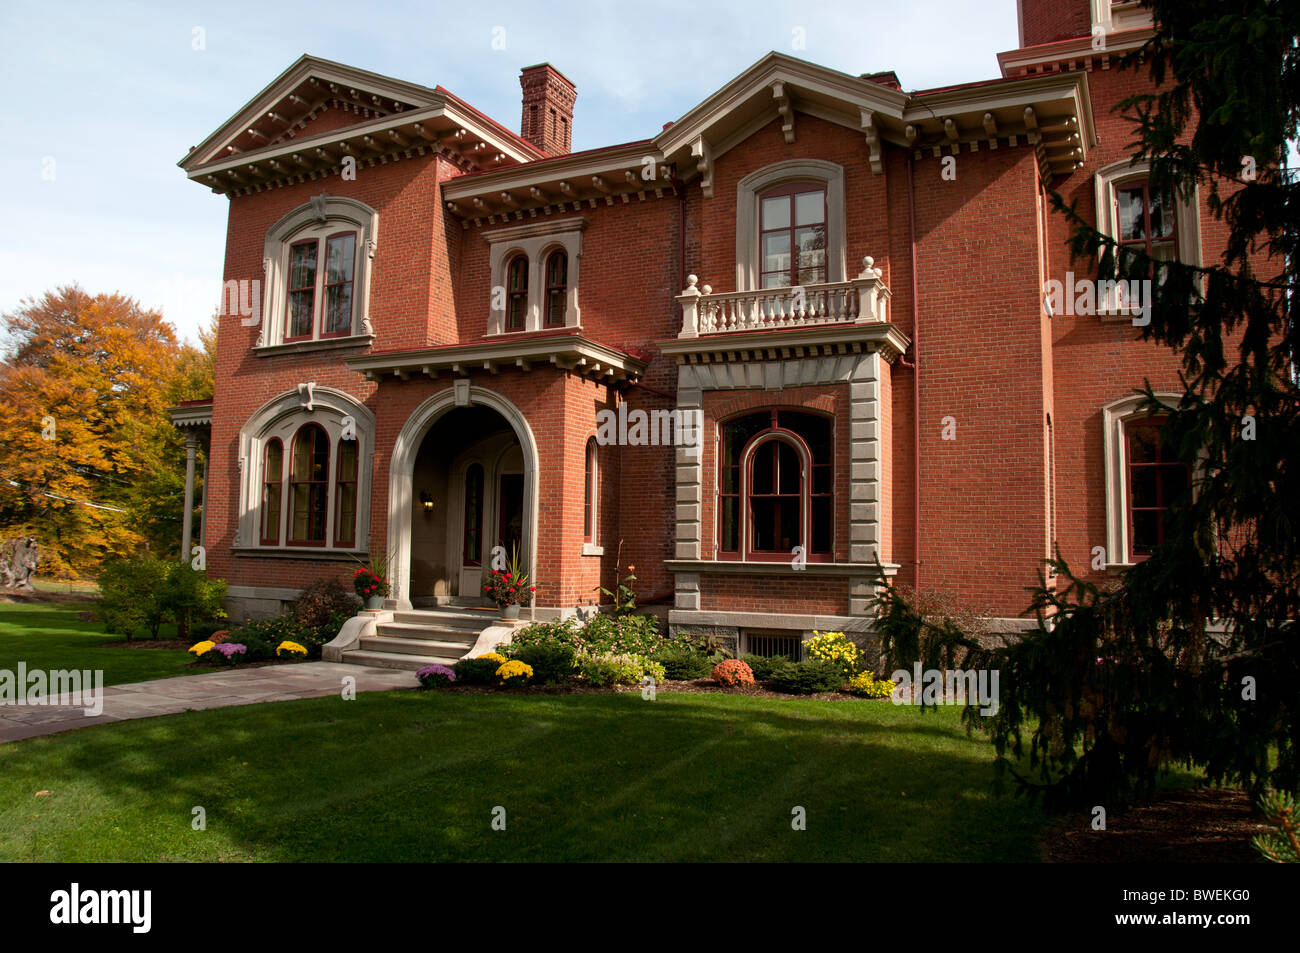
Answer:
(473, 545)
(792, 236)
(590, 493)
(516, 293)
(557, 288)
(775, 478)
(309, 471)
(340, 265)
(272, 488)
(345, 495)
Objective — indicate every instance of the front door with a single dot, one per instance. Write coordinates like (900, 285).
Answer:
(510, 522)
(473, 511)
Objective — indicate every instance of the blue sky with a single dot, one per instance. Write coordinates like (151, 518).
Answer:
(106, 98)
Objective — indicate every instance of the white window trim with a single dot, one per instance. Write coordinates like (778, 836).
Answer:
(535, 242)
(747, 552)
(1187, 225)
(1112, 16)
(281, 418)
(748, 189)
(1115, 417)
(324, 215)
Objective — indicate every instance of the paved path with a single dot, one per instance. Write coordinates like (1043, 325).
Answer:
(169, 696)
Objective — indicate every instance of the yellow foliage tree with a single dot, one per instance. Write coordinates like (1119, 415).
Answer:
(89, 459)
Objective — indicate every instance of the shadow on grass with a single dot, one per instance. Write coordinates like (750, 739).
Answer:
(417, 777)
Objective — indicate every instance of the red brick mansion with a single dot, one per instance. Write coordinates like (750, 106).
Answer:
(799, 329)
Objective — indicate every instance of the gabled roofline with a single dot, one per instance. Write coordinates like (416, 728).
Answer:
(399, 91)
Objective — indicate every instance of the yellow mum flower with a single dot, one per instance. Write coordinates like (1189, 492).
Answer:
(290, 648)
(492, 656)
(514, 669)
(201, 648)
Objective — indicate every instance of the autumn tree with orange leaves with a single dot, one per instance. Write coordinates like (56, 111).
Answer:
(89, 461)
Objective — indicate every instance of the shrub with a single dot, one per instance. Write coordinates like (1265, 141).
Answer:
(732, 673)
(320, 601)
(623, 635)
(762, 666)
(435, 676)
(129, 595)
(188, 596)
(551, 662)
(807, 678)
(682, 662)
(868, 686)
(514, 673)
(555, 632)
(603, 670)
(478, 671)
(263, 637)
(837, 649)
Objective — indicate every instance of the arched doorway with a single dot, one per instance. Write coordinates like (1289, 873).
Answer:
(463, 479)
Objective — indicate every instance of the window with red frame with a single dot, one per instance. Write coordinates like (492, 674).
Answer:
(309, 486)
(590, 489)
(516, 293)
(557, 287)
(769, 501)
(345, 495)
(792, 236)
(1155, 481)
(272, 485)
(1146, 221)
(320, 300)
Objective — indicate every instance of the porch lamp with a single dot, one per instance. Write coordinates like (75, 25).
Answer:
(426, 500)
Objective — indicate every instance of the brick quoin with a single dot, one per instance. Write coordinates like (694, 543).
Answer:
(1024, 475)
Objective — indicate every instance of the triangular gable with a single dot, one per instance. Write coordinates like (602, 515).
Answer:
(1046, 111)
(305, 91)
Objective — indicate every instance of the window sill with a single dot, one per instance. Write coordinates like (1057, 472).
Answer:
(301, 552)
(779, 568)
(590, 549)
(320, 344)
(1119, 316)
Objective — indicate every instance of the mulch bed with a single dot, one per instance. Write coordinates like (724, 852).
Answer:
(146, 644)
(1210, 825)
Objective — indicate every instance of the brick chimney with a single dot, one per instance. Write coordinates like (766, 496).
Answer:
(548, 109)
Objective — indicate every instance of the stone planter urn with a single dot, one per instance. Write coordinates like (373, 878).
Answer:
(510, 612)
(374, 603)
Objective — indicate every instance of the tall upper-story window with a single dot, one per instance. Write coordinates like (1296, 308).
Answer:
(775, 485)
(557, 287)
(790, 225)
(1146, 221)
(792, 235)
(516, 293)
(317, 262)
(1164, 227)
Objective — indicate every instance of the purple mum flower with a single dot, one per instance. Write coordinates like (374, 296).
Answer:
(231, 648)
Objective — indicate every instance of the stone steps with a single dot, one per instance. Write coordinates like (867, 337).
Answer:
(415, 639)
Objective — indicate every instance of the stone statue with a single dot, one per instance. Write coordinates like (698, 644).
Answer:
(18, 559)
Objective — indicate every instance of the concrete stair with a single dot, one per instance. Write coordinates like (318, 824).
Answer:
(418, 638)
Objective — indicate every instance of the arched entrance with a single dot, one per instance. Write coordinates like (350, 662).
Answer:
(474, 461)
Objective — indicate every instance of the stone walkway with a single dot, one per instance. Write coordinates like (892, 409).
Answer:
(169, 696)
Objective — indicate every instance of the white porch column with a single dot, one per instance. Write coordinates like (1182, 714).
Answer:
(191, 446)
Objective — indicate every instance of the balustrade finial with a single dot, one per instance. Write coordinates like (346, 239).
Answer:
(869, 270)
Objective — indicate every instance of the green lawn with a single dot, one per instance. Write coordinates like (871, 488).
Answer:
(49, 636)
(414, 776)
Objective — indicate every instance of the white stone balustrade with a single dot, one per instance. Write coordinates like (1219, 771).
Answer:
(863, 300)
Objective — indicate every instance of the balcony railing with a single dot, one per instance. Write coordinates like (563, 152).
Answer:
(862, 300)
